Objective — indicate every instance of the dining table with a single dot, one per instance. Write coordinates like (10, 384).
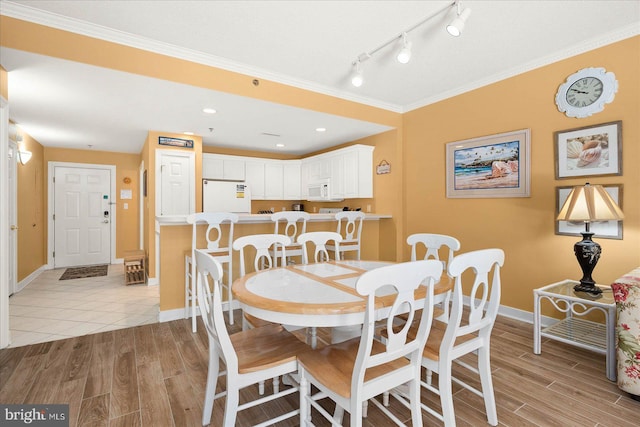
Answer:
(318, 294)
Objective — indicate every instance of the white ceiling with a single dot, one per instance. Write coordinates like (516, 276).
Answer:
(308, 44)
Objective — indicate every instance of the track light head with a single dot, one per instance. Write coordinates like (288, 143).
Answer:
(456, 26)
(356, 77)
(404, 55)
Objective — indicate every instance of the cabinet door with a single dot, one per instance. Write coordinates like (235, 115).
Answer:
(212, 167)
(273, 179)
(304, 179)
(254, 176)
(351, 174)
(233, 169)
(337, 176)
(291, 180)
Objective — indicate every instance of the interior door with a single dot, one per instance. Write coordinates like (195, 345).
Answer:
(82, 216)
(175, 185)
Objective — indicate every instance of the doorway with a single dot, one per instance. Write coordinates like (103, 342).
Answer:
(81, 218)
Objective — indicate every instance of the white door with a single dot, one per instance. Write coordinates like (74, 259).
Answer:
(13, 217)
(82, 216)
(175, 185)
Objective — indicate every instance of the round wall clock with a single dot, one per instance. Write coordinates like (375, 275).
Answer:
(584, 93)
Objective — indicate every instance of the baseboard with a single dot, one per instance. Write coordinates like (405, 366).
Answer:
(30, 278)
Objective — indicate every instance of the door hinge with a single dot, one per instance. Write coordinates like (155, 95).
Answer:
(54, 179)
(54, 217)
(54, 254)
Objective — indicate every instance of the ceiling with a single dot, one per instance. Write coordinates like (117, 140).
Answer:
(307, 44)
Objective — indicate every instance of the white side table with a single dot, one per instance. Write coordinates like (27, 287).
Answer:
(572, 329)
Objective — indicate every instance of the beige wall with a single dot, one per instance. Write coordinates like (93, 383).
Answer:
(524, 227)
(4, 83)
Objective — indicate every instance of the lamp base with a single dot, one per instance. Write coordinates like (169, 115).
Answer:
(588, 253)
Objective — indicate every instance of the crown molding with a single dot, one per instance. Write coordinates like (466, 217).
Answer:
(48, 19)
(37, 16)
(577, 49)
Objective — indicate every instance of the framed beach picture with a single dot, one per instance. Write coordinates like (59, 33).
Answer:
(603, 229)
(589, 151)
(490, 166)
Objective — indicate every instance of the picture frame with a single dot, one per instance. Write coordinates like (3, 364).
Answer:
(601, 229)
(175, 142)
(489, 166)
(589, 151)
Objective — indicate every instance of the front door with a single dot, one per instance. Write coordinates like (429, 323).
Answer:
(82, 216)
(13, 217)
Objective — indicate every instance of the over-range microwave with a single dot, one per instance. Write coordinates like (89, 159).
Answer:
(320, 191)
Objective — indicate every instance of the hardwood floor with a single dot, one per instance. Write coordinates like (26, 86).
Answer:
(155, 375)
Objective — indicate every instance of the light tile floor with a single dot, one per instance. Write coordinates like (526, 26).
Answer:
(49, 309)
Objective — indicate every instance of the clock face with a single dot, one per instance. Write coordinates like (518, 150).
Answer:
(584, 92)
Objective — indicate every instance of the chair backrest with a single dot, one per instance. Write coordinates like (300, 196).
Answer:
(484, 298)
(209, 275)
(214, 220)
(350, 225)
(432, 244)
(319, 239)
(261, 243)
(404, 278)
(292, 223)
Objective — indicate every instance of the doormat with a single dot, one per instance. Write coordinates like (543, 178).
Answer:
(83, 272)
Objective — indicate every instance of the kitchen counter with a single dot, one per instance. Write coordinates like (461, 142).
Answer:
(263, 218)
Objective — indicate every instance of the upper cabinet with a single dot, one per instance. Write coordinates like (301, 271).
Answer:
(350, 170)
(218, 166)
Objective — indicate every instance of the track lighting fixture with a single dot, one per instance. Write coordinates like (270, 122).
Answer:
(356, 77)
(405, 53)
(457, 25)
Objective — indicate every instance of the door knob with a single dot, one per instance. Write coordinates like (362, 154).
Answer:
(14, 227)
(106, 221)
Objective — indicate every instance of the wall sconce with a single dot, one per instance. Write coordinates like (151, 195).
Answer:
(23, 155)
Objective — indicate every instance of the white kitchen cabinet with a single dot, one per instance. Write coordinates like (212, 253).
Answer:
(218, 166)
(254, 177)
(273, 180)
(337, 176)
(292, 179)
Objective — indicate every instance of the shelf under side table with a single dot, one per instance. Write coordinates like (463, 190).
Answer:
(587, 334)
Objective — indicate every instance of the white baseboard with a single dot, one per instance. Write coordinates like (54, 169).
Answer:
(30, 278)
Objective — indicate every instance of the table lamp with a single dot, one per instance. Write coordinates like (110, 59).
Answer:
(588, 203)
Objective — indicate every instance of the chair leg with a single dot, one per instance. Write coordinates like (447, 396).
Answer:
(276, 385)
(230, 297)
(446, 394)
(187, 284)
(261, 388)
(484, 368)
(212, 380)
(338, 414)
(414, 401)
(305, 406)
(231, 405)
(194, 296)
(356, 413)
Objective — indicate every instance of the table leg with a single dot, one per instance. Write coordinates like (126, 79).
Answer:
(611, 345)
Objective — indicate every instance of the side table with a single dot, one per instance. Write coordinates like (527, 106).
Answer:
(574, 330)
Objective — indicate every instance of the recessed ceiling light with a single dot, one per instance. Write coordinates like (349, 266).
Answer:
(188, 133)
(321, 129)
(280, 145)
(209, 110)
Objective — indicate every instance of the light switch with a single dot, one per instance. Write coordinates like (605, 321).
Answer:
(126, 205)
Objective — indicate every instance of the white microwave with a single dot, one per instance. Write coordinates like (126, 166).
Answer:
(320, 191)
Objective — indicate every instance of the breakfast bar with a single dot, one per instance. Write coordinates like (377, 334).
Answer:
(173, 239)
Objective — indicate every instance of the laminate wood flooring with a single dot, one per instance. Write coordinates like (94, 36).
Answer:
(154, 375)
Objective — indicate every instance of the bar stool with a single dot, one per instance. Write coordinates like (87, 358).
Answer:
(222, 254)
(293, 223)
(350, 227)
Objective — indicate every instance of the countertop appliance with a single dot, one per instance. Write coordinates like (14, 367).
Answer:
(225, 196)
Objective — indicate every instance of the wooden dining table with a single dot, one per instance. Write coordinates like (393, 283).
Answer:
(316, 295)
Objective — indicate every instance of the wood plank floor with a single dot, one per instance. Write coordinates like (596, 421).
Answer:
(155, 375)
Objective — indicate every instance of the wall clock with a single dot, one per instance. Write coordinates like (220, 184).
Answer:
(584, 93)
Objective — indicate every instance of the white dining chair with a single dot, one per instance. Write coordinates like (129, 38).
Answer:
(350, 228)
(467, 332)
(291, 224)
(215, 245)
(320, 240)
(352, 372)
(250, 356)
(432, 245)
(262, 243)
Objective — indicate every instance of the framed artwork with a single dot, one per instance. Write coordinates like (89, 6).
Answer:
(175, 142)
(589, 151)
(489, 166)
(601, 229)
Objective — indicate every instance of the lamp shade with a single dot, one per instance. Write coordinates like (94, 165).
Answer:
(589, 203)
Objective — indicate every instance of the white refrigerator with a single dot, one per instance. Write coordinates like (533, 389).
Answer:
(225, 196)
